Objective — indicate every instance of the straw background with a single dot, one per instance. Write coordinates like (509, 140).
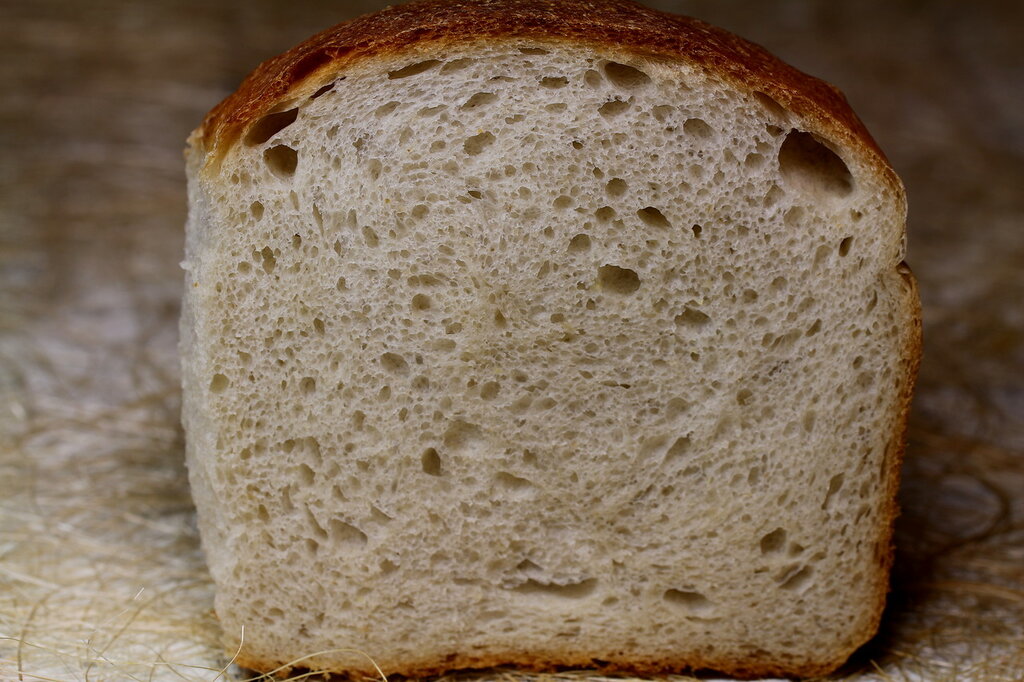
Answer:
(101, 577)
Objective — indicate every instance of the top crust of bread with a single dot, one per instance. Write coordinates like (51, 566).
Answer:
(620, 26)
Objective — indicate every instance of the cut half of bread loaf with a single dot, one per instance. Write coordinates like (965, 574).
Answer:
(543, 334)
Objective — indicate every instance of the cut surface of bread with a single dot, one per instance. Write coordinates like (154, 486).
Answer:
(522, 347)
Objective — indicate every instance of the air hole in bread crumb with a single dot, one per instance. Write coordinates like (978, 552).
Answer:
(431, 462)
(534, 50)
(575, 590)
(835, 484)
(618, 280)
(256, 208)
(546, 403)
(821, 255)
(421, 302)
(616, 187)
(698, 128)
(394, 363)
(413, 69)
(613, 108)
(773, 196)
(678, 448)
(773, 542)
(462, 435)
(456, 65)
(676, 407)
(282, 160)
(375, 168)
(269, 259)
(219, 383)
(662, 112)
(753, 161)
(270, 125)
(579, 243)
(370, 237)
(808, 164)
(513, 483)
(744, 397)
(693, 601)
(554, 82)
(385, 109)
(306, 474)
(322, 91)
(795, 581)
(691, 317)
(771, 106)
(345, 533)
(308, 385)
(625, 76)
(478, 143)
(652, 217)
(489, 391)
(478, 100)
(844, 246)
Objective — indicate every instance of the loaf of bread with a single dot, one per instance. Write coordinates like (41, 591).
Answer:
(543, 333)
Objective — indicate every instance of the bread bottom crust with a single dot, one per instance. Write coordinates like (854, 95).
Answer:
(752, 668)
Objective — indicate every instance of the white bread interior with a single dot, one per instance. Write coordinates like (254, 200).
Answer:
(525, 352)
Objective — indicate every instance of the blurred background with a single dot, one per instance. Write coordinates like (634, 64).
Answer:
(100, 571)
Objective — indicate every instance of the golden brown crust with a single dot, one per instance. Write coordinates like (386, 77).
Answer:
(525, 662)
(893, 458)
(893, 462)
(618, 25)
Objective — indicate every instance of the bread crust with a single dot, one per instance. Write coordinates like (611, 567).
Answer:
(571, 660)
(620, 26)
(893, 461)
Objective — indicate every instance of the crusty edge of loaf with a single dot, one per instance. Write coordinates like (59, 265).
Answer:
(571, 659)
(893, 461)
(620, 26)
